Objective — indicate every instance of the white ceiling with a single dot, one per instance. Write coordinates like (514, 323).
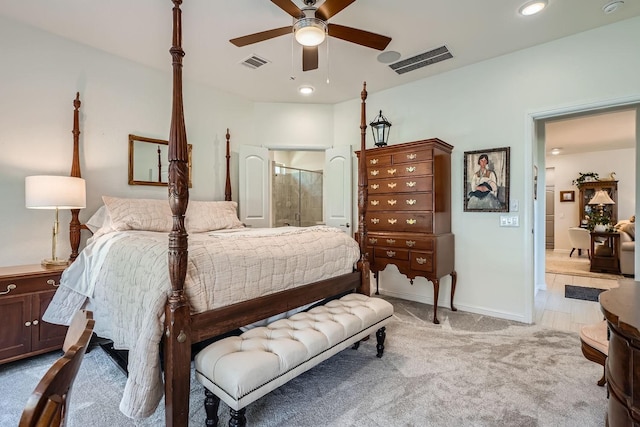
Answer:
(473, 31)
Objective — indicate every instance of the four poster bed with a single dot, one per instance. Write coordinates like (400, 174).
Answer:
(192, 310)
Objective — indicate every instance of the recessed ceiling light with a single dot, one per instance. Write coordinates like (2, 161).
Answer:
(388, 56)
(306, 90)
(612, 6)
(555, 151)
(532, 7)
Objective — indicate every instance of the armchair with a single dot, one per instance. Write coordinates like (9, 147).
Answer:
(580, 239)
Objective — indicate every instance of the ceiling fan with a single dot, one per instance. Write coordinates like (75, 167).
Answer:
(310, 28)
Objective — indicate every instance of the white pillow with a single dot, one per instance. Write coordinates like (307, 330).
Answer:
(139, 214)
(98, 219)
(209, 216)
(155, 215)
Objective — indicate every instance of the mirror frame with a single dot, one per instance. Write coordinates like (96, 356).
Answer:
(136, 138)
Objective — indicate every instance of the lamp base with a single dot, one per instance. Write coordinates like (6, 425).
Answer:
(54, 262)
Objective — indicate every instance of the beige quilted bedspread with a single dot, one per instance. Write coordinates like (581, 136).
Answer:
(224, 268)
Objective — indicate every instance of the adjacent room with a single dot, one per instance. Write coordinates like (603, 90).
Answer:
(319, 213)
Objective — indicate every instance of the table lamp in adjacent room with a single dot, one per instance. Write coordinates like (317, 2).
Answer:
(54, 192)
(600, 199)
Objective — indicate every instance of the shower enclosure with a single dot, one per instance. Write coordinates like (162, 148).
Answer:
(297, 197)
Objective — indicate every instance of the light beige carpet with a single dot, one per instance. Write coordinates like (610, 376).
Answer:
(575, 267)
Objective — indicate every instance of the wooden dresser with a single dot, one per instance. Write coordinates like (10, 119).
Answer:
(25, 293)
(622, 372)
(408, 219)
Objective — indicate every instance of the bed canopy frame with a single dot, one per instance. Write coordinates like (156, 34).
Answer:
(181, 327)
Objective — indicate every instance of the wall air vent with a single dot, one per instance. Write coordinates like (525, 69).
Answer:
(421, 60)
(254, 61)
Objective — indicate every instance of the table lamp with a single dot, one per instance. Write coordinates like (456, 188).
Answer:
(54, 192)
(601, 198)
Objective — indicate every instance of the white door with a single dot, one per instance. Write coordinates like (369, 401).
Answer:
(254, 184)
(337, 188)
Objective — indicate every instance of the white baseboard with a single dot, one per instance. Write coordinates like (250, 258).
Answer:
(462, 307)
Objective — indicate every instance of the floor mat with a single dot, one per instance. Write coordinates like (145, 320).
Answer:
(582, 292)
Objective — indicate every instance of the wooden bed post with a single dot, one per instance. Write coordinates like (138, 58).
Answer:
(227, 186)
(74, 225)
(363, 187)
(177, 336)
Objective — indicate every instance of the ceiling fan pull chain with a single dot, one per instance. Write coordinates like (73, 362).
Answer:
(327, 41)
(293, 72)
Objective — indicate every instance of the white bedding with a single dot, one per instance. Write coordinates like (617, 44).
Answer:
(124, 278)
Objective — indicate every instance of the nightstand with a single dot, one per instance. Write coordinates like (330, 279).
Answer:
(25, 293)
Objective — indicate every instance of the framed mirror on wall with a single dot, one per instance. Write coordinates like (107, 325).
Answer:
(149, 161)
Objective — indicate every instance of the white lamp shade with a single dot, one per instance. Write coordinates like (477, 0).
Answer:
(50, 192)
(601, 198)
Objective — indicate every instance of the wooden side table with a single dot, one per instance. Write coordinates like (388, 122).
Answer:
(605, 256)
(25, 293)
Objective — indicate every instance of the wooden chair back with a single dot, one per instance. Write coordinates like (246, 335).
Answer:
(47, 404)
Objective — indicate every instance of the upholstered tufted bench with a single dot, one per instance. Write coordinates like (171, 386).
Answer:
(594, 341)
(241, 369)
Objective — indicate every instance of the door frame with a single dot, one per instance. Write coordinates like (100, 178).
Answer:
(535, 207)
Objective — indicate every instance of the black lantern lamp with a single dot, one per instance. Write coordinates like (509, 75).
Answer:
(380, 127)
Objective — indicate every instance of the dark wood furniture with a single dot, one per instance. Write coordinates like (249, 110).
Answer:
(621, 310)
(25, 293)
(605, 252)
(408, 216)
(47, 404)
(587, 190)
(181, 328)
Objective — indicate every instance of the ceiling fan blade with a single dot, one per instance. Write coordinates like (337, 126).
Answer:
(331, 7)
(309, 58)
(289, 7)
(261, 36)
(361, 37)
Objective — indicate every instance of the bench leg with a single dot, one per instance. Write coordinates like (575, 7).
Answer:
(211, 404)
(237, 418)
(380, 335)
(356, 345)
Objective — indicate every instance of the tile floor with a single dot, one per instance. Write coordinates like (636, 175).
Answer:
(555, 311)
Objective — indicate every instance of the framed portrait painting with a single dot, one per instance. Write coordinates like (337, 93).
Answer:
(486, 180)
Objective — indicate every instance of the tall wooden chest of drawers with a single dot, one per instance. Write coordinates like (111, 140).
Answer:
(408, 216)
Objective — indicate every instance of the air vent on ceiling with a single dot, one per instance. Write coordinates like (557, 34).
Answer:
(421, 60)
(254, 61)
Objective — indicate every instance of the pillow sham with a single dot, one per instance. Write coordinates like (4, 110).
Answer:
(98, 219)
(139, 214)
(210, 216)
(155, 215)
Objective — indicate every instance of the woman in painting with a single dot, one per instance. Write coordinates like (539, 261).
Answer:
(484, 186)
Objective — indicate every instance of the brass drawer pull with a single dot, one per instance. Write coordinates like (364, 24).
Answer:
(375, 202)
(375, 172)
(374, 161)
(391, 185)
(411, 184)
(10, 287)
(27, 324)
(391, 171)
(375, 186)
(411, 168)
(391, 241)
(375, 220)
(411, 201)
(411, 156)
(410, 243)
(52, 283)
(392, 221)
(392, 202)
(391, 254)
(373, 241)
(421, 260)
(411, 221)
(35, 322)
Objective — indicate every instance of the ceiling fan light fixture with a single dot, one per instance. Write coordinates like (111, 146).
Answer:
(532, 7)
(310, 31)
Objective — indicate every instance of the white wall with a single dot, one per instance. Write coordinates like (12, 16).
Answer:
(566, 167)
(487, 105)
(41, 74)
